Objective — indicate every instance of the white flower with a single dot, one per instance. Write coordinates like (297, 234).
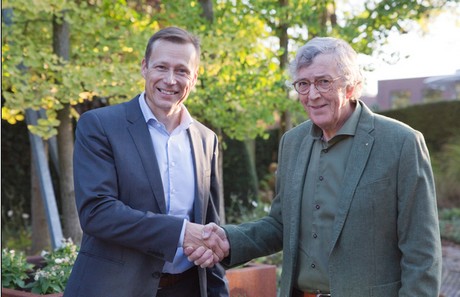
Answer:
(25, 216)
(10, 213)
(40, 274)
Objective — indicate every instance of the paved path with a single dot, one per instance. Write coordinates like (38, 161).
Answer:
(451, 270)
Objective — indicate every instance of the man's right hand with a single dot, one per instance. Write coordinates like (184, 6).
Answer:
(205, 245)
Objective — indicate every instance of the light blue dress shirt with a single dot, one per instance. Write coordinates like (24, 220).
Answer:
(174, 156)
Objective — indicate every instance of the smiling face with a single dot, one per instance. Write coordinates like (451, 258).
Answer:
(328, 110)
(170, 74)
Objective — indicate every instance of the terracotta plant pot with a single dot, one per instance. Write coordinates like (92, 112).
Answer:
(252, 280)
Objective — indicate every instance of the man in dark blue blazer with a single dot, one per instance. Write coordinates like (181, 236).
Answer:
(144, 171)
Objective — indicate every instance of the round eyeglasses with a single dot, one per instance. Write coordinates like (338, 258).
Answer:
(323, 85)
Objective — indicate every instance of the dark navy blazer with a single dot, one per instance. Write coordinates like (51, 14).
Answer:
(119, 195)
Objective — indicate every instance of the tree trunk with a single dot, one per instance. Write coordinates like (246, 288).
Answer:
(208, 12)
(250, 145)
(40, 232)
(286, 118)
(71, 222)
(61, 47)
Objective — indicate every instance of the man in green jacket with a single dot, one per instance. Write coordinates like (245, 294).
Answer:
(355, 208)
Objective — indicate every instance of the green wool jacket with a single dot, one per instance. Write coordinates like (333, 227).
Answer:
(386, 233)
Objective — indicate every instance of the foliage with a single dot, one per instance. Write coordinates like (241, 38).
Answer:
(15, 189)
(446, 166)
(365, 24)
(101, 59)
(107, 43)
(14, 269)
(449, 223)
(240, 212)
(16, 228)
(240, 181)
(52, 278)
(368, 29)
(426, 118)
(15, 213)
(241, 81)
(15, 165)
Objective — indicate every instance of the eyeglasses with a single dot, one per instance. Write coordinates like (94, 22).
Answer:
(323, 85)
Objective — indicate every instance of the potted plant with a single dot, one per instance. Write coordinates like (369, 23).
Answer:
(37, 276)
(15, 269)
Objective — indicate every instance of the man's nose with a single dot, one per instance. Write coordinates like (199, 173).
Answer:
(169, 78)
(313, 93)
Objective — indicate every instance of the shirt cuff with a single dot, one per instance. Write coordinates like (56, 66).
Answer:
(182, 234)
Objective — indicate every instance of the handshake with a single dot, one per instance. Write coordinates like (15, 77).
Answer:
(205, 245)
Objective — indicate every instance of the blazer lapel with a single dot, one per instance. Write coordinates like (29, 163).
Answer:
(200, 203)
(360, 152)
(142, 139)
(296, 189)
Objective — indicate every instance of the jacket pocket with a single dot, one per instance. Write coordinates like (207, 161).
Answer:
(375, 186)
(387, 290)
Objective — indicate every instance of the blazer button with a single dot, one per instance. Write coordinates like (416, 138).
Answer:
(156, 274)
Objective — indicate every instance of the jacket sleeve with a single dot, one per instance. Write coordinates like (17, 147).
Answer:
(418, 226)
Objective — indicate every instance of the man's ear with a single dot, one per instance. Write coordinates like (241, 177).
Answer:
(195, 77)
(144, 68)
(349, 91)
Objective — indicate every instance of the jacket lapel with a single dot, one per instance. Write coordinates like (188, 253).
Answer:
(142, 139)
(200, 203)
(296, 190)
(360, 152)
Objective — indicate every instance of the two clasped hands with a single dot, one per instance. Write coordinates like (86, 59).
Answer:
(205, 245)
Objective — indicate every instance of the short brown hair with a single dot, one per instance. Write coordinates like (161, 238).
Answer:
(176, 35)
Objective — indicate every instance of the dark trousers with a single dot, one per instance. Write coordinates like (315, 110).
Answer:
(186, 287)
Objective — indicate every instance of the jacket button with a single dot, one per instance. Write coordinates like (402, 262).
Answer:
(156, 274)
